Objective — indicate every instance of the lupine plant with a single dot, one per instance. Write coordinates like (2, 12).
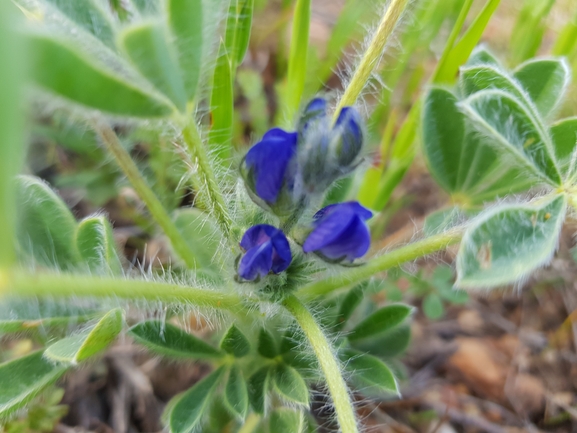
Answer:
(275, 252)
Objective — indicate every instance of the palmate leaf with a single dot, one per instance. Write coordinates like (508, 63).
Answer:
(462, 161)
(24, 378)
(289, 384)
(369, 374)
(235, 342)
(381, 321)
(77, 348)
(61, 69)
(258, 385)
(509, 242)
(236, 393)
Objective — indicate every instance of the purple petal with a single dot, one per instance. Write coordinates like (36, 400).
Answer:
(256, 262)
(269, 159)
(282, 256)
(257, 235)
(354, 242)
(329, 227)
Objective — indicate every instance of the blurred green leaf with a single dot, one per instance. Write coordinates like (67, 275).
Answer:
(202, 236)
(369, 373)
(46, 227)
(236, 393)
(235, 342)
(13, 72)
(509, 242)
(289, 384)
(258, 385)
(63, 70)
(147, 47)
(91, 16)
(298, 56)
(348, 305)
(17, 315)
(77, 348)
(266, 344)
(185, 18)
(381, 321)
(433, 306)
(546, 81)
(24, 378)
(564, 135)
(170, 341)
(529, 29)
(286, 420)
(443, 220)
(186, 413)
(96, 245)
(505, 119)
(238, 28)
(221, 107)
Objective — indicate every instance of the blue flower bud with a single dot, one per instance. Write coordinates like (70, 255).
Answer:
(269, 169)
(266, 250)
(350, 136)
(327, 152)
(340, 232)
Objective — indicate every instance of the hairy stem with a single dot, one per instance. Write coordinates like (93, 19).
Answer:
(372, 55)
(55, 285)
(209, 192)
(152, 202)
(380, 264)
(329, 364)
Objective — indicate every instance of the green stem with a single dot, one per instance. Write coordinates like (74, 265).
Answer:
(152, 202)
(209, 192)
(329, 365)
(372, 55)
(54, 285)
(380, 264)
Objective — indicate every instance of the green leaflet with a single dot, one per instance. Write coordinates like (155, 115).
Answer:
(369, 373)
(258, 385)
(77, 348)
(546, 81)
(433, 306)
(168, 340)
(509, 242)
(286, 420)
(564, 135)
(46, 227)
(24, 378)
(266, 344)
(506, 120)
(185, 414)
(147, 47)
(381, 321)
(236, 393)
(61, 69)
(89, 15)
(96, 245)
(235, 342)
(289, 384)
(185, 19)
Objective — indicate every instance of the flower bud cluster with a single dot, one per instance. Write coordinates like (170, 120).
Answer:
(286, 171)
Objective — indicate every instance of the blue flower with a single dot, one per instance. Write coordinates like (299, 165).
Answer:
(340, 232)
(314, 112)
(267, 249)
(348, 128)
(270, 164)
